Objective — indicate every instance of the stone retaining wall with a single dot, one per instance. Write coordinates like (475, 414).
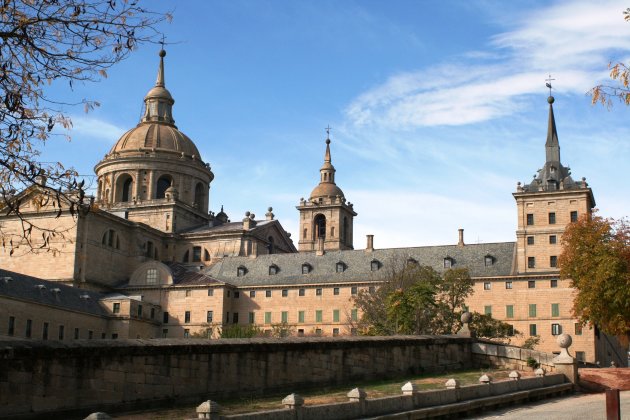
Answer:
(487, 353)
(46, 378)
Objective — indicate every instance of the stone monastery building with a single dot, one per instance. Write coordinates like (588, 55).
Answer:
(150, 260)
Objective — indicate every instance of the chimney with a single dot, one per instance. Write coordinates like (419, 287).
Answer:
(320, 246)
(370, 243)
(461, 237)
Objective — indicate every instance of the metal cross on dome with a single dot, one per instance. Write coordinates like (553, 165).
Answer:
(548, 83)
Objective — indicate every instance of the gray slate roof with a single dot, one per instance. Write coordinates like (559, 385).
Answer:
(358, 264)
(29, 288)
(225, 227)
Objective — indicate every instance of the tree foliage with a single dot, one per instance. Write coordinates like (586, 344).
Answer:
(487, 327)
(45, 42)
(596, 257)
(620, 75)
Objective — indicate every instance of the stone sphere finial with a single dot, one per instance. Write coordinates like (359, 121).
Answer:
(327, 141)
(564, 341)
(550, 99)
(162, 53)
(270, 209)
(247, 213)
(466, 317)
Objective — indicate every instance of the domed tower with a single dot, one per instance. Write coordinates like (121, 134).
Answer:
(546, 206)
(326, 217)
(154, 165)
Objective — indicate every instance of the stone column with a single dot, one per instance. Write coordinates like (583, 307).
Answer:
(208, 410)
(151, 186)
(564, 363)
(137, 190)
(358, 395)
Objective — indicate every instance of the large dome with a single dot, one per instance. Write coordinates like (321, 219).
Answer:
(161, 137)
(326, 189)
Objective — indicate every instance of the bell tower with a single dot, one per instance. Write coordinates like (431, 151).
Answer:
(546, 206)
(326, 218)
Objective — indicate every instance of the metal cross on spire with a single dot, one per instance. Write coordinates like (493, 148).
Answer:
(548, 83)
(162, 41)
(328, 131)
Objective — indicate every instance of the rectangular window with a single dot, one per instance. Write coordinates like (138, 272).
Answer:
(76, 333)
(285, 293)
(531, 284)
(553, 239)
(372, 289)
(252, 318)
(268, 293)
(61, 332)
(335, 332)
(267, 317)
(285, 317)
(556, 329)
(487, 310)
(301, 292)
(29, 328)
(45, 331)
(532, 310)
(574, 216)
(235, 318)
(165, 333)
(553, 283)
(354, 314)
(530, 240)
(508, 284)
(553, 261)
(139, 311)
(552, 218)
(186, 333)
(196, 255)
(532, 330)
(188, 293)
(116, 308)
(486, 285)
(555, 309)
(318, 292)
(103, 336)
(165, 318)
(318, 331)
(90, 334)
(318, 316)
(187, 317)
(152, 313)
(301, 317)
(11, 330)
(509, 311)
(210, 292)
(252, 293)
(114, 336)
(336, 291)
(335, 315)
(578, 328)
(237, 295)
(353, 290)
(580, 356)
(531, 262)
(530, 219)
(228, 293)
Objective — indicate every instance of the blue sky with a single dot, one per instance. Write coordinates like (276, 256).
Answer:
(437, 108)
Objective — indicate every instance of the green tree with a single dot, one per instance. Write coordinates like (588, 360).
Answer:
(453, 289)
(42, 43)
(620, 76)
(240, 331)
(487, 327)
(596, 258)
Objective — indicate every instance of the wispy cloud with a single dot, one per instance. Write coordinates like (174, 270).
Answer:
(94, 128)
(574, 40)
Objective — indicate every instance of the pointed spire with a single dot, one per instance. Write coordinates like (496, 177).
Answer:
(160, 76)
(552, 146)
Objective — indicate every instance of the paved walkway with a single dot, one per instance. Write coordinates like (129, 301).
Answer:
(578, 406)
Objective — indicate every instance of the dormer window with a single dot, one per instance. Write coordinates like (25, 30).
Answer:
(488, 260)
(340, 267)
(412, 261)
(241, 271)
(306, 268)
(448, 262)
(375, 265)
(273, 270)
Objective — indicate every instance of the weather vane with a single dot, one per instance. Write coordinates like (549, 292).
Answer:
(548, 84)
(328, 131)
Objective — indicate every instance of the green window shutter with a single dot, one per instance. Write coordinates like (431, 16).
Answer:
(336, 315)
(532, 329)
(555, 309)
(251, 317)
(285, 317)
(267, 317)
(487, 310)
(355, 314)
(532, 310)
(318, 316)
(509, 311)
(301, 316)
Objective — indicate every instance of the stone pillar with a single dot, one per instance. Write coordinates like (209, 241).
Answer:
(208, 410)
(294, 402)
(98, 416)
(358, 395)
(409, 389)
(563, 362)
(111, 188)
(137, 186)
(151, 186)
(465, 331)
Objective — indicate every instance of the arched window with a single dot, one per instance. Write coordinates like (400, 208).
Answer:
(199, 196)
(110, 239)
(448, 262)
(241, 271)
(123, 188)
(273, 269)
(270, 245)
(162, 185)
(126, 190)
(375, 265)
(332, 232)
(206, 255)
(149, 250)
(186, 257)
(320, 226)
(306, 268)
